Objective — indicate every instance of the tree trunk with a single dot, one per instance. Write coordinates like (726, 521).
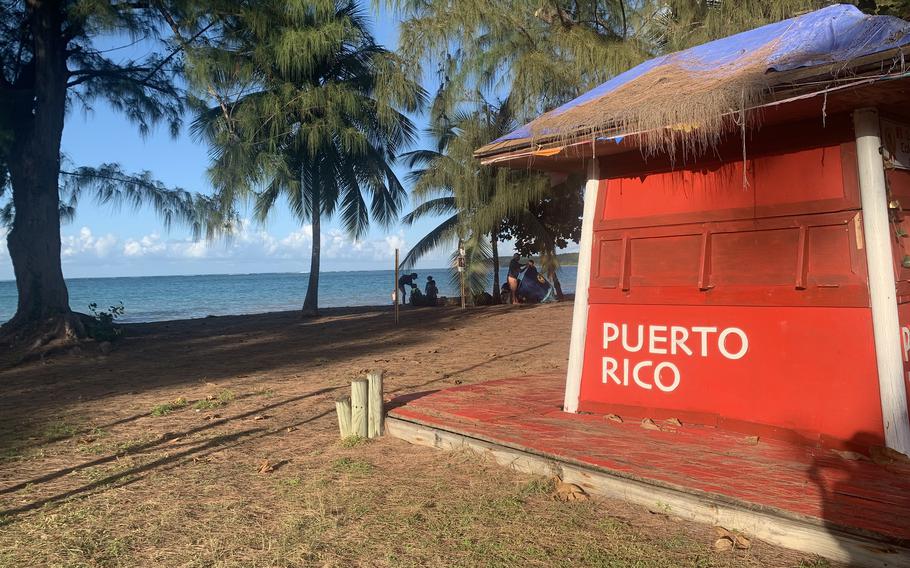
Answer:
(311, 303)
(557, 286)
(494, 237)
(34, 166)
(552, 266)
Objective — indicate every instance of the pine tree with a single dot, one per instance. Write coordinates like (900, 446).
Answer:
(49, 63)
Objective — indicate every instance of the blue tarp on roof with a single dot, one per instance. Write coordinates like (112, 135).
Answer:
(836, 33)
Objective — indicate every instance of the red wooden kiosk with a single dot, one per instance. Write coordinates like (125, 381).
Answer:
(753, 281)
(744, 269)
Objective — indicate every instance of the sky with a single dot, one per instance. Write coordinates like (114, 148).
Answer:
(102, 242)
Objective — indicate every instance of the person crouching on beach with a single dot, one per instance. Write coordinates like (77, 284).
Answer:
(406, 280)
(431, 291)
(417, 297)
(515, 269)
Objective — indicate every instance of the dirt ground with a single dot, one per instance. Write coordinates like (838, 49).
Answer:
(214, 442)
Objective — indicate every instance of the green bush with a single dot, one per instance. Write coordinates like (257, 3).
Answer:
(103, 326)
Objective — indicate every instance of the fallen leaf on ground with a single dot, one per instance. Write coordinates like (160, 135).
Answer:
(614, 418)
(569, 492)
(673, 422)
(723, 544)
(736, 540)
(266, 467)
(848, 455)
(742, 542)
(721, 532)
(260, 417)
(212, 416)
(649, 424)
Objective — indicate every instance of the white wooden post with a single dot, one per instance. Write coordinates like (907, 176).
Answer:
(882, 290)
(343, 409)
(359, 407)
(375, 404)
(583, 280)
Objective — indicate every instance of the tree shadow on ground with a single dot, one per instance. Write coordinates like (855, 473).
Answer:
(168, 354)
(169, 461)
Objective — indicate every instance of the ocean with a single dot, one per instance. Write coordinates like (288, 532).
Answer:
(160, 298)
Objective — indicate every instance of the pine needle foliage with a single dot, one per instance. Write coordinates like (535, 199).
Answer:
(545, 53)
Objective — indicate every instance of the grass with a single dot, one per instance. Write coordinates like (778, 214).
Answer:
(207, 404)
(353, 466)
(212, 402)
(380, 504)
(226, 396)
(169, 407)
(58, 430)
(353, 441)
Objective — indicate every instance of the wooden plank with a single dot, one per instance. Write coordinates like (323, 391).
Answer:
(805, 535)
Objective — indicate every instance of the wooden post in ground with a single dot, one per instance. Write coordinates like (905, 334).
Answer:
(395, 287)
(359, 404)
(376, 409)
(343, 409)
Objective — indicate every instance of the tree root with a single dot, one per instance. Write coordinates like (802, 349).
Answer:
(28, 339)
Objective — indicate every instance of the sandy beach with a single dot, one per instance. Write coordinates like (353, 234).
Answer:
(213, 442)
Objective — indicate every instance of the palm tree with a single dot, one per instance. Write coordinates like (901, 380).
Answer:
(448, 181)
(308, 108)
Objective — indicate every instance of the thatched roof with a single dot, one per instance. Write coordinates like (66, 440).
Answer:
(690, 98)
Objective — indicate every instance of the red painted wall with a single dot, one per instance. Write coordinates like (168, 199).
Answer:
(774, 255)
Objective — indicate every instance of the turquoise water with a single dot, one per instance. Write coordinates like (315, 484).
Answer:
(157, 298)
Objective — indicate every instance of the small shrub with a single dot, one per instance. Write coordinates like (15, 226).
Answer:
(103, 326)
(168, 407)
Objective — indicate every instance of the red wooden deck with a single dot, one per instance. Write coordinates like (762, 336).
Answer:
(859, 496)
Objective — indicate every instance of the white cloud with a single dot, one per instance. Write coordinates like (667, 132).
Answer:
(84, 242)
(147, 245)
(250, 248)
